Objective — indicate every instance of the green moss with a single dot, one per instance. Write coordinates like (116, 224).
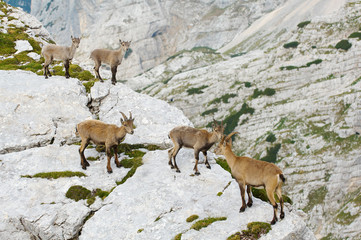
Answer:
(137, 162)
(343, 44)
(315, 197)
(88, 85)
(206, 222)
(192, 218)
(198, 90)
(178, 236)
(303, 24)
(7, 44)
(256, 229)
(219, 194)
(291, 44)
(77, 193)
(56, 175)
(317, 61)
(262, 194)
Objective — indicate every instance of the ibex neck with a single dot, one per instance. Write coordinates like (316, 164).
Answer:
(213, 137)
(230, 156)
(72, 50)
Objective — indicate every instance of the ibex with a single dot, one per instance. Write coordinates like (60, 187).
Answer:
(52, 52)
(111, 57)
(199, 139)
(101, 133)
(253, 173)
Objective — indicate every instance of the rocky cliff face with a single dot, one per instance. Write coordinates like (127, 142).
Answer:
(157, 29)
(293, 94)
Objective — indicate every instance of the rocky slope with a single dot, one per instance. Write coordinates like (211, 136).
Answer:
(157, 29)
(46, 195)
(292, 91)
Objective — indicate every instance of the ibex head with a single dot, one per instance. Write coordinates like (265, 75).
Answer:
(127, 123)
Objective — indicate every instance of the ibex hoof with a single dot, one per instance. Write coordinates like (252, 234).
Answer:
(83, 167)
(282, 215)
(110, 171)
(67, 77)
(118, 165)
(46, 77)
(249, 204)
(208, 166)
(273, 221)
(178, 171)
(242, 209)
(197, 173)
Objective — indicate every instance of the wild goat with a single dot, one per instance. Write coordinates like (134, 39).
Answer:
(111, 57)
(199, 139)
(52, 52)
(101, 133)
(253, 173)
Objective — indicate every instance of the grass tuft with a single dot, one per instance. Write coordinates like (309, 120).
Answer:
(206, 222)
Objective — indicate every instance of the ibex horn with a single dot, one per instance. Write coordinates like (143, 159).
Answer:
(125, 117)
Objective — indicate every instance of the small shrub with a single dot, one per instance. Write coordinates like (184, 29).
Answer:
(343, 44)
(247, 84)
(210, 111)
(317, 61)
(269, 92)
(232, 120)
(206, 222)
(355, 35)
(291, 44)
(88, 85)
(271, 138)
(192, 91)
(303, 24)
(192, 218)
(272, 153)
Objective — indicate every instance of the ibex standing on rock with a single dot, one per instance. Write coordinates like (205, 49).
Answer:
(52, 52)
(199, 139)
(253, 173)
(111, 57)
(102, 133)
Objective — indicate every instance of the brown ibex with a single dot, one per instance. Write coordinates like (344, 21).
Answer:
(102, 133)
(199, 139)
(52, 52)
(253, 173)
(111, 57)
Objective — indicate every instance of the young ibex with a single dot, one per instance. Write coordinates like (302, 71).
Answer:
(253, 173)
(101, 133)
(199, 139)
(52, 52)
(111, 57)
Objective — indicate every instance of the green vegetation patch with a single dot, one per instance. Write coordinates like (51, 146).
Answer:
(210, 111)
(262, 194)
(254, 231)
(345, 218)
(198, 90)
(192, 218)
(225, 98)
(315, 197)
(272, 153)
(317, 61)
(206, 222)
(291, 44)
(343, 44)
(267, 92)
(223, 163)
(178, 236)
(78, 192)
(355, 35)
(271, 138)
(303, 24)
(231, 121)
(56, 175)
